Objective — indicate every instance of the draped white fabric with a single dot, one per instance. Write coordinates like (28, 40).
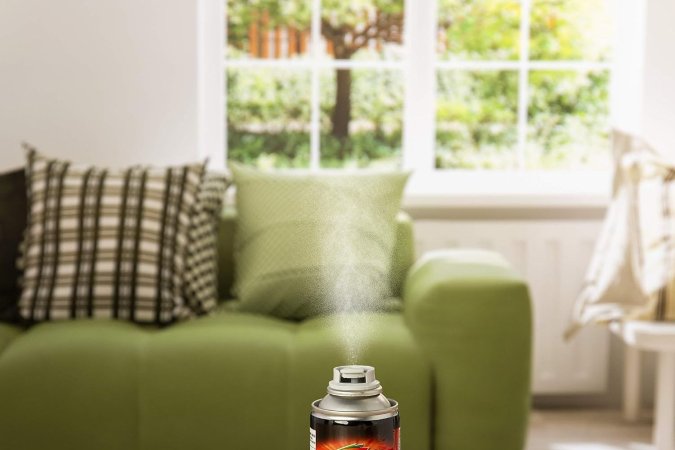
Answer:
(631, 272)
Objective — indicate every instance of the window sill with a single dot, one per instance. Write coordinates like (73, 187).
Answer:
(505, 195)
(506, 201)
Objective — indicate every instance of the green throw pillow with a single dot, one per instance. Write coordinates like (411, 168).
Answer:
(315, 243)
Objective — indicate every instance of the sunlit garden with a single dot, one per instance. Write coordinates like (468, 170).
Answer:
(482, 120)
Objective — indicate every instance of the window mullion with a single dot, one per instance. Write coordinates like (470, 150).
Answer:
(420, 85)
(315, 123)
(523, 81)
(224, 58)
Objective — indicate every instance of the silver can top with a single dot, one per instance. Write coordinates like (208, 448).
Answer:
(354, 392)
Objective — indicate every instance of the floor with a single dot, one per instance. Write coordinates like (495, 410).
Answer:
(586, 430)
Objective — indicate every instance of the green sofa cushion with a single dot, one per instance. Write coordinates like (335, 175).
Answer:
(7, 334)
(471, 313)
(71, 385)
(313, 243)
(230, 380)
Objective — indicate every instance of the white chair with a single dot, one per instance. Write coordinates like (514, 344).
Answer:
(630, 282)
(658, 337)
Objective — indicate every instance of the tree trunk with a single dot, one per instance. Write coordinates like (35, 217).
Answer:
(342, 112)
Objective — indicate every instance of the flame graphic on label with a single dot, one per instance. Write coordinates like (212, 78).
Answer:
(368, 444)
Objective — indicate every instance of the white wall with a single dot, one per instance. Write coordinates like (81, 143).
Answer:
(658, 110)
(108, 81)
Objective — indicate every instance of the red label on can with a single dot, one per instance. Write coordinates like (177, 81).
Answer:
(360, 444)
(326, 434)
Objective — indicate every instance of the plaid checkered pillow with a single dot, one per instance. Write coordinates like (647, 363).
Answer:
(202, 269)
(119, 244)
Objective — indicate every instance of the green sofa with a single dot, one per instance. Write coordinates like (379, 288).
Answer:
(457, 359)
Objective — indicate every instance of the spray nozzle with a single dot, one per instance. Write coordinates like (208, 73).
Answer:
(353, 374)
(354, 380)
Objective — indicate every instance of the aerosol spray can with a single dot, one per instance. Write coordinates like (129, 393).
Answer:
(355, 414)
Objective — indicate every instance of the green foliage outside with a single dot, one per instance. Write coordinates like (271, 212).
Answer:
(269, 118)
(476, 119)
(568, 125)
(479, 29)
(269, 110)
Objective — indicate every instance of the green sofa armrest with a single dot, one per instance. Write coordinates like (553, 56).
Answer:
(471, 314)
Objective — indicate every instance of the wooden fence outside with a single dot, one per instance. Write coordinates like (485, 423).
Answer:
(277, 42)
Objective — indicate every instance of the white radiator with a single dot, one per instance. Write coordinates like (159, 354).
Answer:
(552, 255)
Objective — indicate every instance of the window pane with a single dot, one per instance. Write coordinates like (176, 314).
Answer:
(476, 119)
(570, 30)
(479, 29)
(361, 118)
(357, 29)
(568, 120)
(268, 117)
(268, 29)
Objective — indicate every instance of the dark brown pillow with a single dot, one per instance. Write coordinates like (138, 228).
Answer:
(12, 226)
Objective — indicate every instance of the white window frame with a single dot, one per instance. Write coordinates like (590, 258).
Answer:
(429, 185)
